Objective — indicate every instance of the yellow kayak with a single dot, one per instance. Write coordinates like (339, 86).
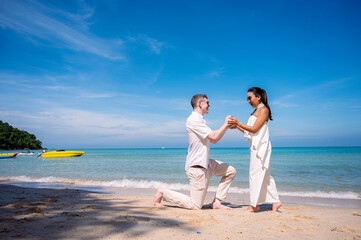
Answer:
(62, 153)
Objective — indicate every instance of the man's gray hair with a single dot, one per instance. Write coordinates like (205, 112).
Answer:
(196, 98)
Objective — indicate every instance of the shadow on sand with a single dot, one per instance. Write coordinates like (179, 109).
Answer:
(262, 207)
(44, 213)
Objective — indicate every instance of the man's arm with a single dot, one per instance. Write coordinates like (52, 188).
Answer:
(216, 135)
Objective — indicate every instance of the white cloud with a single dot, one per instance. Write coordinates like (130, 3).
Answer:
(153, 44)
(57, 87)
(232, 102)
(291, 99)
(97, 95)
(90, 124)
(283, 103)
(215, 73)
(282, 132)
(61, 91)
(37, 21)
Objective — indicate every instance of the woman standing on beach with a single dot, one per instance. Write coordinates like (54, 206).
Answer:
(262, 186)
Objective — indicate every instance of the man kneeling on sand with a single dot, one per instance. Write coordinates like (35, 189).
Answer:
(199, 167)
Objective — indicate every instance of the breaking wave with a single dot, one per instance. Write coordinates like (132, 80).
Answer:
(131, 183)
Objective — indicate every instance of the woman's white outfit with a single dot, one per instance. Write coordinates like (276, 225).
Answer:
(262, 186)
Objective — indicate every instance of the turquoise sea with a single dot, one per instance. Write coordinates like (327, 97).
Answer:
(331, 173)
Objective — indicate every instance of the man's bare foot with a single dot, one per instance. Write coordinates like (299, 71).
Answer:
(158, 197)
(252, 209)
(276, 206)
(216, 204)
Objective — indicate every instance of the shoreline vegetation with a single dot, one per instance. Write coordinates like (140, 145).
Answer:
(14, 139)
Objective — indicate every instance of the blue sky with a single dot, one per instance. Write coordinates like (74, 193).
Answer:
(83, 74)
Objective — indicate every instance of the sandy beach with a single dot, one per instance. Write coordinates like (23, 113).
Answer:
(47, 213)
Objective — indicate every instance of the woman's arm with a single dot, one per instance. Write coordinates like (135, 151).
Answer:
(261, 118)
(240, 129)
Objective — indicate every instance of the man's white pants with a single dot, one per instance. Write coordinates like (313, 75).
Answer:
(199, 181)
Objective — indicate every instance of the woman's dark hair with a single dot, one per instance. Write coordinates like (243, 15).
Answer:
(261, 92)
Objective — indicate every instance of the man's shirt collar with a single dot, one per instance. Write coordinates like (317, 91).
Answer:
(198, 114)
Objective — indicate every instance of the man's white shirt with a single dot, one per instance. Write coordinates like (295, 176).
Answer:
(198, 150)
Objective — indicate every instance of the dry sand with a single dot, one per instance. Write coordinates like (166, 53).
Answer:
(43, 213)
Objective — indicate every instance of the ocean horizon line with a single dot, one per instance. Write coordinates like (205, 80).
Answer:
(165, 148)
(169, 148)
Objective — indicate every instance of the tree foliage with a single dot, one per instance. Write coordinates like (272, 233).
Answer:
(12, 138)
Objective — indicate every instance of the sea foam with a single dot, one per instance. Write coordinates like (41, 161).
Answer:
(143, 184)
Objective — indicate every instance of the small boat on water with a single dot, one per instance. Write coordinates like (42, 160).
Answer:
(62, 153)
(28, 153)
(8, 155)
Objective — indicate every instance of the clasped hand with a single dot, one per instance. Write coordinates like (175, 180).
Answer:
(232, 122)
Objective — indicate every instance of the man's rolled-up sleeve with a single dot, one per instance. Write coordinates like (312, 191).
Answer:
(200, 128)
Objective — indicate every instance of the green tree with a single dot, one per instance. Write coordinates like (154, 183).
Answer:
(12, 138)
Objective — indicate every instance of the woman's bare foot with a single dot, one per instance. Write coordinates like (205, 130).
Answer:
(252, 209)
(276, 206)
(216, 204)
(158, 197)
